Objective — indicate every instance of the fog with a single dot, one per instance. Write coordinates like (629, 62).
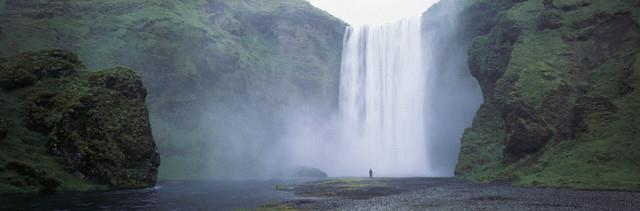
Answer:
(454, 94)
(405, 121)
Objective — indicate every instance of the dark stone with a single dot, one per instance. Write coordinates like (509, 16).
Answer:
(39, 116)
(309, 172)
(558, 110)
(625, 85)
(591, 21)
(14, 78)
(548, 4)
(600, 108)
(611, 35)
(548, 19)
(564, 6)
(509, 34)
(625, 89)
(605, 36)
(48, 185)
(527, 133)
(3, 129)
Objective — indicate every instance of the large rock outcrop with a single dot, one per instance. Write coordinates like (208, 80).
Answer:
(69, 129)
(560, 81)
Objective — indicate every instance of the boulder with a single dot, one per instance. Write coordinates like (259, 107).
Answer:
(106, 134)
(96, 124)
(309, 172)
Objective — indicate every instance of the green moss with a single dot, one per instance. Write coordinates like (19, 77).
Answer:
(192, 55)
(74, 131)
(539, 66)
(34, 154)
(597, 78)
(29, 147)
(482, 146)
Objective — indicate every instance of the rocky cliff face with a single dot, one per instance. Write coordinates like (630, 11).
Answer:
(560, 80)
(211, 66)
(67, 129)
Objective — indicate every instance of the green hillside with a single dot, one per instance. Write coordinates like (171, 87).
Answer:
(206, 63)
(560, 80)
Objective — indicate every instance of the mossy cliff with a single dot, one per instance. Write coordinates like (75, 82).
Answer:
(206, 63)
(561, 82)
(66, 129)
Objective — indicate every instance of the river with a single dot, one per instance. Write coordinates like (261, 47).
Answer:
(168, 195)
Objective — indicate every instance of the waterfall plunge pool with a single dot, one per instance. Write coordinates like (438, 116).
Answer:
(167, 195)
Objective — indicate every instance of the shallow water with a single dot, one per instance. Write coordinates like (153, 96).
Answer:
(175, 195)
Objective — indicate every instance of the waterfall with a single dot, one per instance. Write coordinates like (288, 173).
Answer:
(406, 96)
(382, 98)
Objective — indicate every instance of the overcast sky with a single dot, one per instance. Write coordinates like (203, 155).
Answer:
(359, 12)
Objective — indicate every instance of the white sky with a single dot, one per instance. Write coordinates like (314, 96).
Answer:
(359, 12)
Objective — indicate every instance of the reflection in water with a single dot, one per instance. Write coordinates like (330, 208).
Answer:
(200, 195)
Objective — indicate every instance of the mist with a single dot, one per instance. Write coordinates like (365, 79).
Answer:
(407, 123)
(454, 94)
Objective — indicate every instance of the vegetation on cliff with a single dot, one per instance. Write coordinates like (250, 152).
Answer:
(206, 63)
(560, 80)
(67, 129)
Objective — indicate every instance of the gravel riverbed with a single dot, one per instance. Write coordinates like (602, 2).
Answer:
(450, 194)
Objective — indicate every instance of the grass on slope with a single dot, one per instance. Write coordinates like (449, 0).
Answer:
(606, 155)
(28, 147)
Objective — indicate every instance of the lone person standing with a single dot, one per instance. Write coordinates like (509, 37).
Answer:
(370, 173)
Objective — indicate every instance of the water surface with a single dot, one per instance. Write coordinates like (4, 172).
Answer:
(174, 195)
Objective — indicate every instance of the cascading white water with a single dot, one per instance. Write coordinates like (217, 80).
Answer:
(406, 96)
(382, 99)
